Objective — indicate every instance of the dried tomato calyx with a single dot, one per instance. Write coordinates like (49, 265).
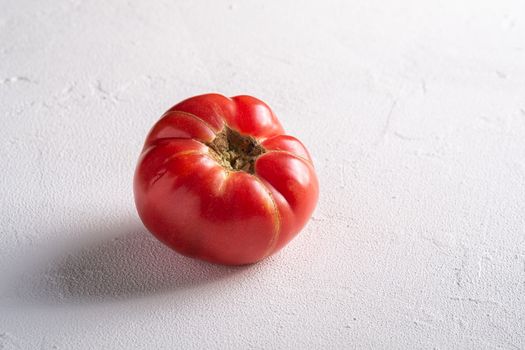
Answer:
(234, 151)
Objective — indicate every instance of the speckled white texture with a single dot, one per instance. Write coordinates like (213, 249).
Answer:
(414, 112)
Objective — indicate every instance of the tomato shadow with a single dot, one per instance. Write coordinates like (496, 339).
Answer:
(132, 263)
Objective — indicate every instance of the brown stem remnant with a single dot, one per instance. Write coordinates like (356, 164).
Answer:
(234, 151)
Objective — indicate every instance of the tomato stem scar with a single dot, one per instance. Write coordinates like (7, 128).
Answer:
(234, 151)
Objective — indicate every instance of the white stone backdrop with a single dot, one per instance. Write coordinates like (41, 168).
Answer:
(414, 112)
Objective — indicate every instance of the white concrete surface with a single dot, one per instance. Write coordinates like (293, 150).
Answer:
(413, 110)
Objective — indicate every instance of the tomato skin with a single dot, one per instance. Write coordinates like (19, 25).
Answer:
(202, 210)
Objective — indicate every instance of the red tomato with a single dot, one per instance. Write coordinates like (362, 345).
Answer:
(219, 180)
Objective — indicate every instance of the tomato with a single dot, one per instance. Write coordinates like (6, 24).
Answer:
(219, 180)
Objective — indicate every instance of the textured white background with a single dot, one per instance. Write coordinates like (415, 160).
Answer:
(414, 112)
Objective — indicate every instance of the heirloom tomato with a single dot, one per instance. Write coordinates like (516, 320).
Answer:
(219, 180)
